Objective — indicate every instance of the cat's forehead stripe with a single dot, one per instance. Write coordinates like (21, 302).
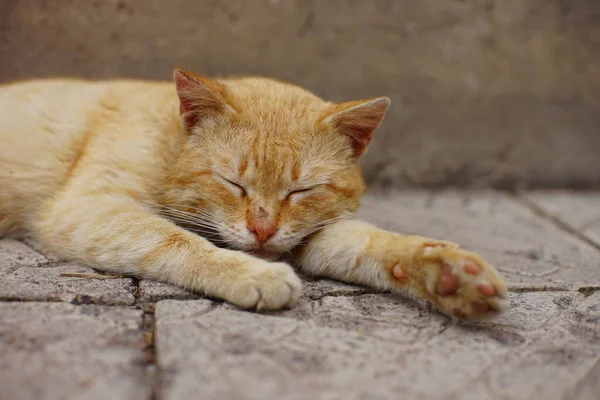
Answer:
(242, 166)
(296, 171)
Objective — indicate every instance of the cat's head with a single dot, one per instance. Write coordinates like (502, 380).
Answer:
(266, 163)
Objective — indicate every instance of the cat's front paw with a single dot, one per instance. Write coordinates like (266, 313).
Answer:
(266, 286)
(459, 282)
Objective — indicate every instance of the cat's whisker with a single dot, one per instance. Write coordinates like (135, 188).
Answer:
(191, 221)
(323, 223)
(164, 208)
(206, 233)
(183, 213)
(197, 210)
(200, 225)
(189, 217)
(320, 225)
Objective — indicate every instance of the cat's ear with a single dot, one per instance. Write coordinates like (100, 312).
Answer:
(358, 120)
(198, 97)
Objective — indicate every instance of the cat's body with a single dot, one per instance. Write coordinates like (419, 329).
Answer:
(100, 172)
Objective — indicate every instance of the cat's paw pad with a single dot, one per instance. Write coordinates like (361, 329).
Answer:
(266, 286)
(464, 284)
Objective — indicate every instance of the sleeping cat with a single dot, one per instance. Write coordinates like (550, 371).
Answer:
(209, 184)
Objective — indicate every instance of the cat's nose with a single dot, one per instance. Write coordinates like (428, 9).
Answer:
(263, 229)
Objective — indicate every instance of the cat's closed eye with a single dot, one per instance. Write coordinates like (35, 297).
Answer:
(236, 186)
(297, 192)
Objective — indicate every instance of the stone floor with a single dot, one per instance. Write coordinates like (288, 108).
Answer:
(65, 337)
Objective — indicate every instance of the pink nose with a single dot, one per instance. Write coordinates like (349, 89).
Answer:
(263, 229)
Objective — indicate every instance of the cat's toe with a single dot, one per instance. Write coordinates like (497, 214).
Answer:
(448, 282)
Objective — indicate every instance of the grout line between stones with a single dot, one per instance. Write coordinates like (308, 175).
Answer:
(587, 291)
(149, 328)
(557, 222)
(152, 368)
(135, 286)
(21, 300)
(539, 289)
(342, 293)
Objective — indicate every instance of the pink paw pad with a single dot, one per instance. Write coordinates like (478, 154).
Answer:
(448, 283)
(486, 289)
(399, 273)
(472, 268)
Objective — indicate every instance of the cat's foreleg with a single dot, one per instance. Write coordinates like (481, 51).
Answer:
(458, 282)
(120, 235)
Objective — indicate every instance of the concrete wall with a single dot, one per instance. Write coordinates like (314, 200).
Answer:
(486, 92)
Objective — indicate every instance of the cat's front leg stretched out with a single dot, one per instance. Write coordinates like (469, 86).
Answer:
(458, 282)
(120, 235)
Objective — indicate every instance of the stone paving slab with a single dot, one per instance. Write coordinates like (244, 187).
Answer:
(151, 291)
(61, 351)
(530, 252)
(47, 284)
(580, 210)
(14, 255)
(568, 349)
(375, 347)
(589, 386)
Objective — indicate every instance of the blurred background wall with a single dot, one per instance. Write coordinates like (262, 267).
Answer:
(502, 93)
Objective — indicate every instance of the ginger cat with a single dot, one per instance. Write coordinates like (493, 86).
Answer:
(110, 173)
